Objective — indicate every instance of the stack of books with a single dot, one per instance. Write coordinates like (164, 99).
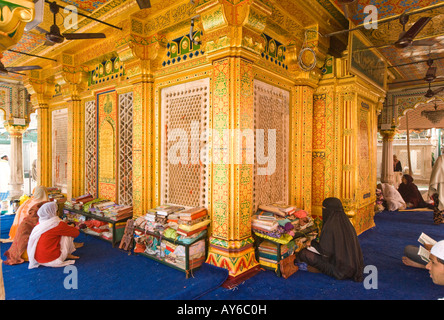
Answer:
(268, 253)
(192, 221)
(55, 194)
(119, 212)
(264, 222)
(79, 202)
(279, 209)
(163, 211)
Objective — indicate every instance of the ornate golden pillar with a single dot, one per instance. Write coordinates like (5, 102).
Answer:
(233, 42)
(305, 66)
(141, 57)
(74, 76)
(40, 95)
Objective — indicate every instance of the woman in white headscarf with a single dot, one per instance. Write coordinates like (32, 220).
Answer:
(392, 197)
(52, 240)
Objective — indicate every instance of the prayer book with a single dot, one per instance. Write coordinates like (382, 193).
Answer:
(424, 254)
(425, 239)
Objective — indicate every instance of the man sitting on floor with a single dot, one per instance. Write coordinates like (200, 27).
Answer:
(435, 265)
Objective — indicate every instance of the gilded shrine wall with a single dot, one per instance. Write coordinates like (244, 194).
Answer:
(142, 105)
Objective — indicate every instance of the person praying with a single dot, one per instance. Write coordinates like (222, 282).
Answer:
(51, 242)
(338, 253)
(436, 189)
(410, 193)
(39, 196)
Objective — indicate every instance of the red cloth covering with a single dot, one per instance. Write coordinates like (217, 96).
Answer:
(48, 247)
(20, 243)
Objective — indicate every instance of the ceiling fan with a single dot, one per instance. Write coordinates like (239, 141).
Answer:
(54, 36)
(350, 7)
(406, 38)
(430, 74)
(6, 70)
(431, 93)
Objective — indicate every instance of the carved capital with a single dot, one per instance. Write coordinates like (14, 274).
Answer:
(233, 28)
(39, 89)
(142, 55)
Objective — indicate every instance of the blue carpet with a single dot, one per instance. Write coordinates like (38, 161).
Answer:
(109, 273)
(382, 247)
(106, 273)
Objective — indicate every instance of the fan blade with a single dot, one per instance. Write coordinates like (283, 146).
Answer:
(41, 30)
(81, 36)
(23, 68)
(438, 90)
(144, 4)
(49, 43)
(406, 81)
(350, 7)
(423, 43)
(416, 28)
(431, 74)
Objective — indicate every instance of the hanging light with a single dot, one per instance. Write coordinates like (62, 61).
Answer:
(435, 116)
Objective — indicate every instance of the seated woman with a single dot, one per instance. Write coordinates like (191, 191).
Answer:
(52, 240)
(17, 252)
(338, 253)
(410, 193)
(39, 196)
(393, 198)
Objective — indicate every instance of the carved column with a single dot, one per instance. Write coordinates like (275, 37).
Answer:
(40, 95)
(16, 160)
(74, 76)
(141, 57)
(387, 174)
(233, 42)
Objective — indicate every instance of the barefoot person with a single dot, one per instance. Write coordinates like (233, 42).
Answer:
(51, 242)
(435, 265)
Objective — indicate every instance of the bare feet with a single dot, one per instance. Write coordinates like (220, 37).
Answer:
(78, 245)
(411, 263)
(70, 256)
(6, 240)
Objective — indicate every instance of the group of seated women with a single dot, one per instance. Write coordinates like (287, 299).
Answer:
(39, 236)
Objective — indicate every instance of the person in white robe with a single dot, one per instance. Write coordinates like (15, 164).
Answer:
(392, 197)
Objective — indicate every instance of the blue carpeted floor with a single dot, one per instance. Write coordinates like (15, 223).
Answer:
(108, 273)
(382, 247)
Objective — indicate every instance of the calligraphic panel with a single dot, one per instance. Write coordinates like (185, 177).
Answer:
(107, 120)
(59, 149)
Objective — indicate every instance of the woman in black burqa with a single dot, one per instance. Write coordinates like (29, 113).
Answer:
(340, 254)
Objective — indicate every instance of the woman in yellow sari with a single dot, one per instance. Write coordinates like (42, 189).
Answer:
(40, 194)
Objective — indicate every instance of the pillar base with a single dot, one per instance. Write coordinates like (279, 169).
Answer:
(238, 257)
(232, 282)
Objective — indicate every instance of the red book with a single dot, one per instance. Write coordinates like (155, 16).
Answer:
(189, 233)
(194, 216)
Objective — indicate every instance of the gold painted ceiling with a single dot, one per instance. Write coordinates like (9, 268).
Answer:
(388, 32)
(288, 18)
